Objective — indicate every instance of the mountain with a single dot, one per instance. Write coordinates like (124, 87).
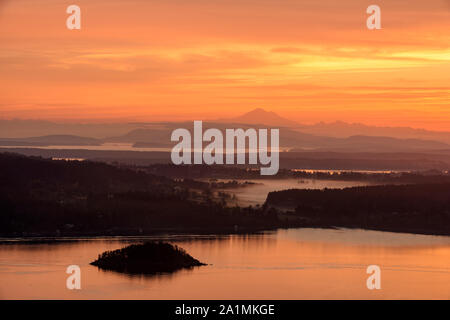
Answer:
(260, 116)
(51, 140)
(362, 143)
(35, 128)
(342, 129)
(338, 129)
(338, 136)
(289, 139)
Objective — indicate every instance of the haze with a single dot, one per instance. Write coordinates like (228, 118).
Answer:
(174, 60)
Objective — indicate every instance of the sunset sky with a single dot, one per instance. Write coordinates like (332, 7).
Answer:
(307, 60)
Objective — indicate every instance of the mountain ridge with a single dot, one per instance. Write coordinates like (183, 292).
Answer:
(261, 116)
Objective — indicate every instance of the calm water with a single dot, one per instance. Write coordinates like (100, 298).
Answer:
(257, 193)
(286, 264)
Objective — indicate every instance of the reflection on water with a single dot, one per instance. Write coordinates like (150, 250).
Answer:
(257, 193)
(286, 264)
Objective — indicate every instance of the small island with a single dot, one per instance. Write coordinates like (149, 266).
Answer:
(147, 258)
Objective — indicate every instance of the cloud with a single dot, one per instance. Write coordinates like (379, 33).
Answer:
(202, 56)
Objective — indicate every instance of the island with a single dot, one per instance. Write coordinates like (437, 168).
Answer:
(147, 258)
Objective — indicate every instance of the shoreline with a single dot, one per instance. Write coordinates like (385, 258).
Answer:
(193, 233)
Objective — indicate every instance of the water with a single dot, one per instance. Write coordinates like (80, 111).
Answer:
(286, 264)
(257, 193)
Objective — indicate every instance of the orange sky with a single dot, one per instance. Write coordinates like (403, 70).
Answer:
(307, 60)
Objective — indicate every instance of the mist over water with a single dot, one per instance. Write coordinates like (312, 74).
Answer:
(256, 193)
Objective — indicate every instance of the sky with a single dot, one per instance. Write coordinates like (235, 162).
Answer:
(306, 60)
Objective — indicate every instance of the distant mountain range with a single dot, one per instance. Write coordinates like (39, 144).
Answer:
(343, 129)
(19, 129)
(339, 129)
(51, 140)
(261, 117)
(336, 137)
(289, 139)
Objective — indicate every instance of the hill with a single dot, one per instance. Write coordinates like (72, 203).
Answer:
(340, 129)
(260, 116)
(289, 139)
(51, 140)
(43, 197)
(421, 208)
